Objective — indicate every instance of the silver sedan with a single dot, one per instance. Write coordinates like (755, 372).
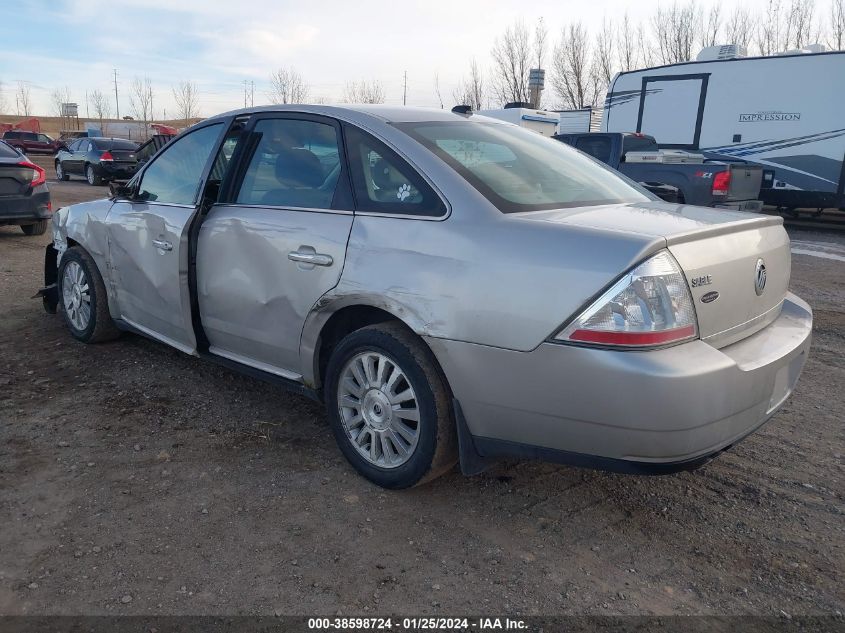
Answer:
(454, 288)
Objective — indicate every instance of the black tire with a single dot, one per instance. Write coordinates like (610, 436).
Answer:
(60, 172)
(436, 450)
(91, 176)
(100, 326)
(39, 228)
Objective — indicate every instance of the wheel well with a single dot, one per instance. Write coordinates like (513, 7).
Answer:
(343, 322)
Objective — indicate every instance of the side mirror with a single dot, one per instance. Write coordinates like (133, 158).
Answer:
(121, 190)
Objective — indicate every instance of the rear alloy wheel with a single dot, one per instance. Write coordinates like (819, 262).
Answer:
(38, 228)
(60, 173)
(82, 298)
(91, 177)
(389, 407)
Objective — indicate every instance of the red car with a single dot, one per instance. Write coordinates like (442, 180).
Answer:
(31, 142)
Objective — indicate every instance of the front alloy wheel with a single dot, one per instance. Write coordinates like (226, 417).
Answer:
(84, 304)
(389, 406)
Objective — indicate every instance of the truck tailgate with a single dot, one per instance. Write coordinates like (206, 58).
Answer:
(745, 182)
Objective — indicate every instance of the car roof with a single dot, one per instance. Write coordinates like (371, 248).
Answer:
(361, 112)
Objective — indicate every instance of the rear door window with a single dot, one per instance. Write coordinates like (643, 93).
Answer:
(386, 183)
(296, 163)
(7, 152)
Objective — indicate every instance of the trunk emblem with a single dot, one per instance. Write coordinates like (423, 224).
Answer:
(760, 277)
(710, 297)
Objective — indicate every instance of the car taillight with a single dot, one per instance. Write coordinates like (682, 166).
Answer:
(649, 306)
(721, 183)
(39, 176)
(105, 156)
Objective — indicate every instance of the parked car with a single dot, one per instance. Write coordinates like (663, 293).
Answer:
(24, 197)
(452, 287)
(31, 142)
(99, 160)
(674, 175)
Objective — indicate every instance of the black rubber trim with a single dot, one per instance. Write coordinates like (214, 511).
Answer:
(490, 448)
(49, 293)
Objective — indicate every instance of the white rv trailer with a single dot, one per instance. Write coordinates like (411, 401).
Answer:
(540, 121)
(785, 113)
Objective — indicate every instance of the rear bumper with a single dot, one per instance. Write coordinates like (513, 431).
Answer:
(114, 171)
(25, 209)
(650, 411)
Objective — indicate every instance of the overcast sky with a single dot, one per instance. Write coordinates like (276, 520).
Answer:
(219, 44)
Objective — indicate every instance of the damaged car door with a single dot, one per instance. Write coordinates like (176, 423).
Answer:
(148, 239)
(276, 242)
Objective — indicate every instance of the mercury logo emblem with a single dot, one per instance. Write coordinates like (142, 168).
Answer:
(760, 277)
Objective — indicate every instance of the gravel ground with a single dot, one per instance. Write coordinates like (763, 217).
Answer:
(137, 480)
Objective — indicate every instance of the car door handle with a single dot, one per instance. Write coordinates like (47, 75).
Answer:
(317, 259)
(163, 245)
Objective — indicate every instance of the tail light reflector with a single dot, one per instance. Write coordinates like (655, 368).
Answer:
(39, 176)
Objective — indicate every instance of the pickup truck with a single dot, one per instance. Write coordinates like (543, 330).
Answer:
(675, 176)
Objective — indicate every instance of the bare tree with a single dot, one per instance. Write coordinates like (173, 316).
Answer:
(186, 96)
(512, 58)
(648, 56)
(604, 60)
(287, 86)
(836, 37)
(712, 26)
(437, 89)
(363, 92)
(23, 98)
(101, 105)
(626, 44)
(141, 99)
(676, 30)
(58, 98)
(799, 31)
(471, 90)
(769, 31)
(571, 64)
(2, 98)
(738, 29)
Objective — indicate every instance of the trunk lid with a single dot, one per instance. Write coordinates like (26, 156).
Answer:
(123, 155)
(14, 179)
(718, 251)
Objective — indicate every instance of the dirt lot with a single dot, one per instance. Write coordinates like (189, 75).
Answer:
(137, 480)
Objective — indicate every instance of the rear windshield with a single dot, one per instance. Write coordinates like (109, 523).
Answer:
(631, 143)
(114, 143)
(519, 170)
(7, 152)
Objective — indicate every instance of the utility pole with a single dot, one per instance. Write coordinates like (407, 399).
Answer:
(87, 107)
(252, 94)
(244, 82)
(405, 90)
(116, 102)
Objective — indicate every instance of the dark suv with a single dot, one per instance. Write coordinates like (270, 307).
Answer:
(31, 142)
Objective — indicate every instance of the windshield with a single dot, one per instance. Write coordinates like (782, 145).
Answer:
(519, 170)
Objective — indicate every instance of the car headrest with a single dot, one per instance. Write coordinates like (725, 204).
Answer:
(298, 167)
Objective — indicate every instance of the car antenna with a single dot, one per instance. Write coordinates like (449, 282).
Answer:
(462, 109)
